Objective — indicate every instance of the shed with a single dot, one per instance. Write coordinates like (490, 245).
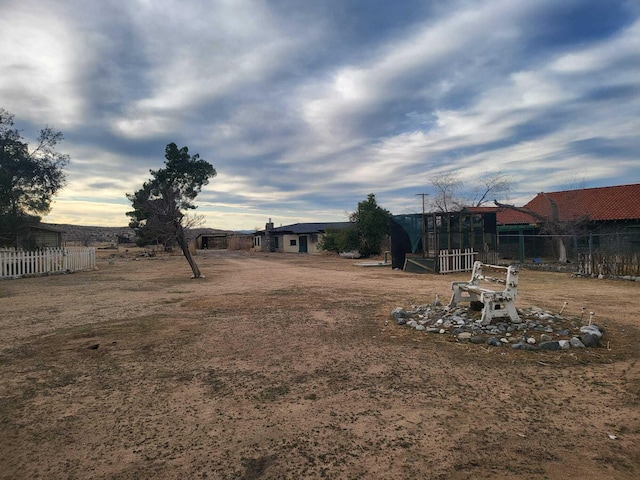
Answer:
(40, 236)
(212, 241)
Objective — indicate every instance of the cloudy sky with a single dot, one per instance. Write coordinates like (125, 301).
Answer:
(304, 106)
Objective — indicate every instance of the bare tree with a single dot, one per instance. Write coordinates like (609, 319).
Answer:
(489, 186)
(451, 192)
(446, 187)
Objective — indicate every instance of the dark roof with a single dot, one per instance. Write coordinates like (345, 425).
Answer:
(309, 228)
(47, 228)
(598, 204)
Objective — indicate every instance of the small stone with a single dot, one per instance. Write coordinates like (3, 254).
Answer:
(442, 330)
(420, 327)
(504, 340)
(494, 342)
(576, 343)
(476, 339)
(554, 345)
(545, 338)
(464, 336)
(531, 341)
(94, 346)
(432, 330)
(523, 346)
(564, 344)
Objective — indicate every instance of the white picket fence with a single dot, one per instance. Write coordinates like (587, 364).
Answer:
(456, 260)
(16, 264)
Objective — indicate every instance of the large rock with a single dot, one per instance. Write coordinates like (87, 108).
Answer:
(553, 345)
(591, 335)
(592, 329)
(399, 312)
(590, 340)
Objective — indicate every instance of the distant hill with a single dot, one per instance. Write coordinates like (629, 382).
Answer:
(89, 235)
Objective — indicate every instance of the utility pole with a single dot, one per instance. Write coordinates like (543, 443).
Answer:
(424, 232)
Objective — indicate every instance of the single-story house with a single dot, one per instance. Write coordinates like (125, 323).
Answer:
(603, 218)
(296, 238)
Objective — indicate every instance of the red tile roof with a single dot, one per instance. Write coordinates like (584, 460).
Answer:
(506, 216)
(605, 203)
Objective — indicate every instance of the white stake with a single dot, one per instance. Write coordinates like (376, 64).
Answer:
(564, 305)
(591, 314)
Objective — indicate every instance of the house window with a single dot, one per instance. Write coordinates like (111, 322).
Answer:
(276, 242)
(314, 238)
(256, 241)
(293, 242)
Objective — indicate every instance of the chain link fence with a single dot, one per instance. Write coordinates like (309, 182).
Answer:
(615, 254)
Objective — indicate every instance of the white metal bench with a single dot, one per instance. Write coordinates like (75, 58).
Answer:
(497, 304)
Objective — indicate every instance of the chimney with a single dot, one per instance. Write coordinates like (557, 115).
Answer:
(267, 245)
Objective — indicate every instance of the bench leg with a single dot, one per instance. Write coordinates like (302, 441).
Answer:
(499, 309)
(457, 297)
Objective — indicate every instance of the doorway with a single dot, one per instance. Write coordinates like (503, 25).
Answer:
(302, 244)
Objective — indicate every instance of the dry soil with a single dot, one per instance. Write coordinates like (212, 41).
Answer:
(283, 366)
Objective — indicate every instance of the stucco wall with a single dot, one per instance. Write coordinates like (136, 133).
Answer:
(284, 243)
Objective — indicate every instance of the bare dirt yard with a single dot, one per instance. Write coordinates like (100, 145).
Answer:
(283, 366)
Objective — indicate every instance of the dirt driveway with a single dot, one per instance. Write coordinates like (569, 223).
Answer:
(289, 366)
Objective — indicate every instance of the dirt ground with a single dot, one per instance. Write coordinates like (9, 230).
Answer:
(281, 366)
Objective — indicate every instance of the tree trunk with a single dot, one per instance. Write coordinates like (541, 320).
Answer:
(562, 251)
(182, 241)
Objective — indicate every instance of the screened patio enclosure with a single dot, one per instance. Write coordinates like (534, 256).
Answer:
(430, 242)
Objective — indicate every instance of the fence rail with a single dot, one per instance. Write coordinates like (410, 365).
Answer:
(16, 264)
(457, 260)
